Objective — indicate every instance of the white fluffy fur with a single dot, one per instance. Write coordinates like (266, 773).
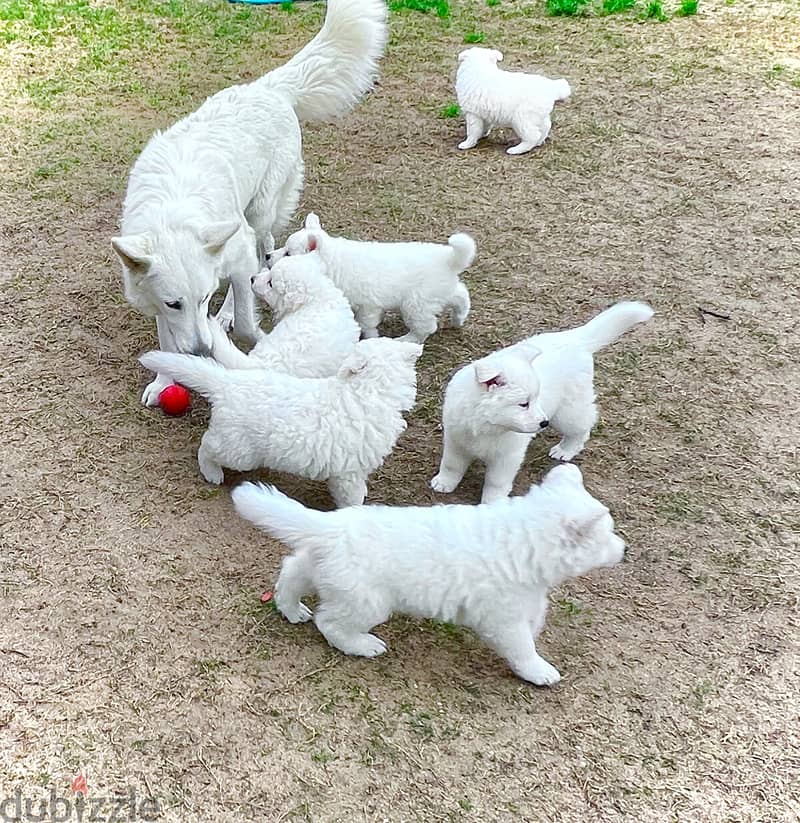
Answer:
(486, 567)
(206, 196)
(419, 280)
(337, 429)
(314, 328)
(495, 406)
(491, 97)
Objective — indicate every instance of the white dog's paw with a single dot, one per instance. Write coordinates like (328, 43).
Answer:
(558, 452)
(368, 646)
(467, 144)
(152, 391)
(212, 473)
(542, 674)
(441, 485)
(296, 612)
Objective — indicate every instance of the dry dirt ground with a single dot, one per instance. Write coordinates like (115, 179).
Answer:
(133, 644)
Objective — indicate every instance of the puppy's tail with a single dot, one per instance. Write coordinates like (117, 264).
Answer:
(463, 253)
(561, 89)
(225, 351)
(200, 374)
(278, 515)
(332, 72)
(610, 324)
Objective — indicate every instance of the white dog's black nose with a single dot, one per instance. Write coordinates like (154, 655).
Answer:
(252, 280)
(544, 424)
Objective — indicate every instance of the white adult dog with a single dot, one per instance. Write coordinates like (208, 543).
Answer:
(495, 406)
(486, 567)
(419, 280)
(206, 197)
(491, 97)
(314, 329)
(338, 429)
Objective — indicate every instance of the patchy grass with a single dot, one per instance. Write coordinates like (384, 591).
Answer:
(655, 11)
(440, 7)
(687, 8)
(617, 6)
(450, 110)
(566, 8)
(474, 37)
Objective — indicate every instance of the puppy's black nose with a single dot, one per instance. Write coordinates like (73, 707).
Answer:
(252, 280)
(544, 424)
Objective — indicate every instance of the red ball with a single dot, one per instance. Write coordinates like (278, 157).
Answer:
(175, 400)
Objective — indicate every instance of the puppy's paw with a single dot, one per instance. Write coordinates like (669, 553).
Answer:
(212, 473)
(542, 674)
(224, 320)
(558, 452)
(442, 485)
(296, 612)
(467, 144)
(152, 391)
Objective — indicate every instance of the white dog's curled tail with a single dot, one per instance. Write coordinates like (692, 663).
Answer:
(200, 374)
(561, 89)
(612, 323)
(331, 73)
(464, 250)
(278, 515)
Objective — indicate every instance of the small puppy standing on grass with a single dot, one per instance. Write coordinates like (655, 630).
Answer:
(419, 280)
(314, 327)
(489, 568)
(493, 98)
(495, 406)
(338, 429)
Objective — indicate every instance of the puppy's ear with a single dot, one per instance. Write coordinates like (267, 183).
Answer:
(498, 55)
(462, 55)
(214, 236)
(312, 221)
(134, 251)
(355, 363)
(583, 526)
(412, 351)
(566, 473)
(313, 240)
(528, 351)
(489, 375)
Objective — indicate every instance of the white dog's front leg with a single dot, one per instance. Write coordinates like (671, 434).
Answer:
(515, 644)
(501, 471)
(225, 314)
(475, 130)
(152, 390)
(455, 462)
(347, 491)
(244, 307)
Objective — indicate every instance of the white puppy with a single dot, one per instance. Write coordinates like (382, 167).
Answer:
(486, 567)
(419, 280)
(206, 196)
(494, 407)
(491, 97)
(314, 326)
(337, 429)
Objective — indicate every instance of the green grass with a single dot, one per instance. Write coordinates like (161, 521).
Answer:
(441, 7)
(492, 3)
(451, 110)
(565, 8)
(655, 11)
(474, 37)
(617, 6)
(687, 8)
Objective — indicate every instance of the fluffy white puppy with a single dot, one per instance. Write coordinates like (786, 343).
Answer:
(314, 326)
(491, 97)
(206, 196)
(419, 280)
(486, 567)
(495, 406)
(338, 429)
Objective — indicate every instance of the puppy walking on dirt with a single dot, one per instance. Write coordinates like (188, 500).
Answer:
(495, 406)
(206, 196)
(419, 280)
(486, 567)
(491, 97)
(337, 429)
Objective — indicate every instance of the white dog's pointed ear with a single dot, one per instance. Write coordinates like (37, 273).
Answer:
(214, 236)
(565, 473)
(489, 375)
(462, 55)
(584, 526)
(498, 55)
(134, 250)
(312, 221)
